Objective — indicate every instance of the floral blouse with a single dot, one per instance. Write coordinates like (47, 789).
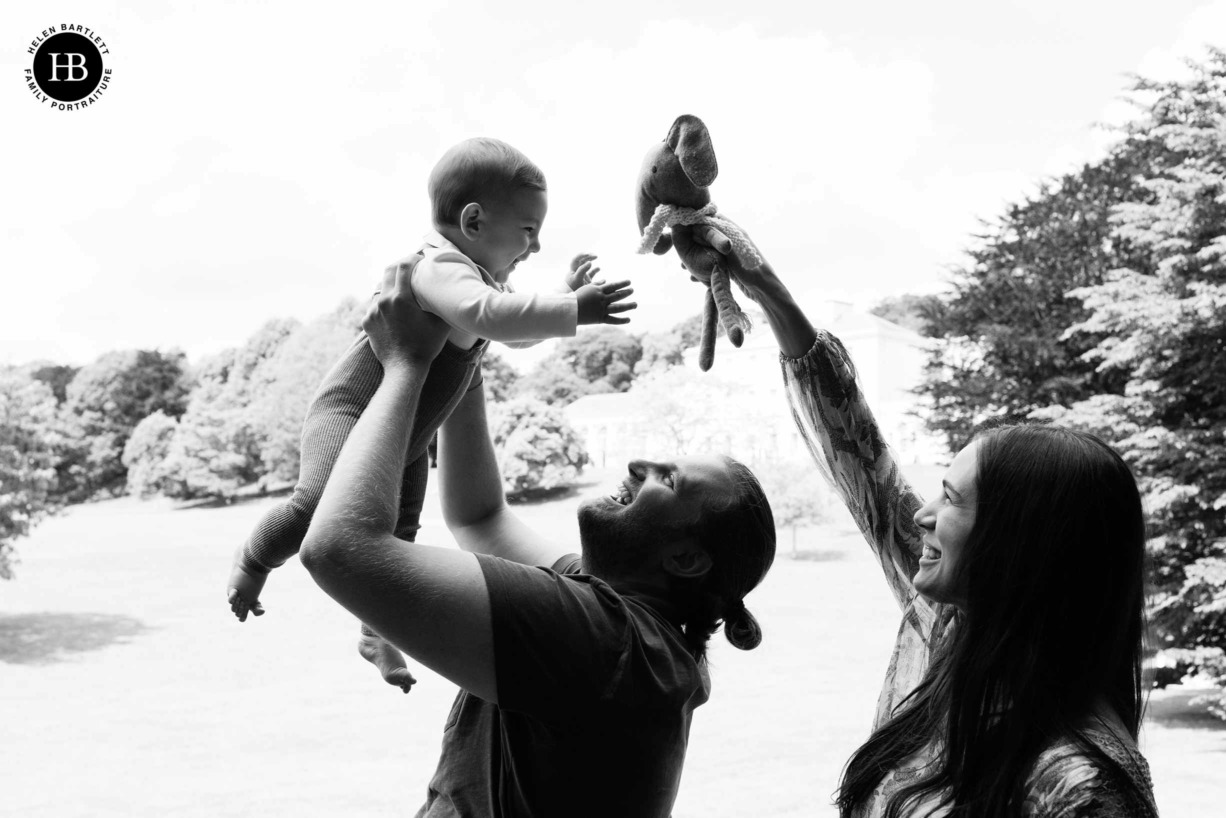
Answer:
(845, 441)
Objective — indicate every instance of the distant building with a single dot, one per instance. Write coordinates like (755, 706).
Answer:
(889, 360)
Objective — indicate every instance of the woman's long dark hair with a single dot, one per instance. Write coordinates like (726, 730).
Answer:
(1054, 567)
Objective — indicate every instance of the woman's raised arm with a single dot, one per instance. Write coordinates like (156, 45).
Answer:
(835, 420)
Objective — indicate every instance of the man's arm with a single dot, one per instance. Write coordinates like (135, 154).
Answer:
(470, 486)
(430, 602)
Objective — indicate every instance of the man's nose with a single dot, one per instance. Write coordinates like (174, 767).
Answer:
(639, 469)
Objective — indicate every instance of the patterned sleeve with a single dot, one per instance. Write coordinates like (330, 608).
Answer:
(837, 425)
(1069, 785)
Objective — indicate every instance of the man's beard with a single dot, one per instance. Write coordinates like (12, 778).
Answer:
(617, 544)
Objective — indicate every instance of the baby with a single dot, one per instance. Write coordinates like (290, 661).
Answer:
(489, 202)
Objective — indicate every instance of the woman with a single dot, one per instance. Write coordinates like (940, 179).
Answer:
(1015, 684)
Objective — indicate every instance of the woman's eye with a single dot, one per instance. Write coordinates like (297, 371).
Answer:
(668, 480)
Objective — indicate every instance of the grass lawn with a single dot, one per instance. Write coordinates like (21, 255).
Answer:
(129, 689)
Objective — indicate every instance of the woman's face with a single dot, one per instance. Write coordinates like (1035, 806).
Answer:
(947, 521)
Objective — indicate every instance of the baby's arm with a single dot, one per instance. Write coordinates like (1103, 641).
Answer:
(448, 286)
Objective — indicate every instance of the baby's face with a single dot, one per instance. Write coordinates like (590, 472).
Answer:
(511, 232)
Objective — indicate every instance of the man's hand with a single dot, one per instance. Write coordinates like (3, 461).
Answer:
(400, 332)
(599, 303)
(243, 589)
(581, 271)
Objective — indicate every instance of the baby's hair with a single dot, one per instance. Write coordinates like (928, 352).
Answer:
(479, 170)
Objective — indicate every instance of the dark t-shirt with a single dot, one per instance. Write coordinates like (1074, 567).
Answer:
(595, 693)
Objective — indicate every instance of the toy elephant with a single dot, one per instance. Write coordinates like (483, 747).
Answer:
(672, 192)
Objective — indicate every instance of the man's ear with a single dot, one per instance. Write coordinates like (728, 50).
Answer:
(471, 219)
(687, 560)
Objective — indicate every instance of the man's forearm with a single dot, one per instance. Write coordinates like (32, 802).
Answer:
(470, 487)
(363, 491)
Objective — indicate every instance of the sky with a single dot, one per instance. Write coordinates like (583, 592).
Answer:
(267, 159)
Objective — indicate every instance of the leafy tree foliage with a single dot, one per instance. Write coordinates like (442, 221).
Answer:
(27, 460)
(103, 404)
(907, 310)
(146, 452)
(500, 377)
(797, 493)
(56, 376)
(597, 360)
(537, 449)
(1002, 351)
(1163, 333)
(284, 380)
(216, 447)
(1101, 304)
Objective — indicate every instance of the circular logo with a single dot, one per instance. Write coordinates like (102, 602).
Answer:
(68, 72)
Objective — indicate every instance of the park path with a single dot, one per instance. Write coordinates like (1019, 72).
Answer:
(130, 691)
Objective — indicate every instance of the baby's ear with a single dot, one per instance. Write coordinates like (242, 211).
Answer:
(471, 218)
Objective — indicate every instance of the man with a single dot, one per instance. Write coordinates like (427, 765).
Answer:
(578, 675)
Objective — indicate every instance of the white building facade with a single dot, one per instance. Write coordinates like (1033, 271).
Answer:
(739, 406)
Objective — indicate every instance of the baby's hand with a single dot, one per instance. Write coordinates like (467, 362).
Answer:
(581, 270)
(243, 589)
(598, 303)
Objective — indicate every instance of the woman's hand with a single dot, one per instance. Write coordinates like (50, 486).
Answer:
(709, 237)
(792, 329)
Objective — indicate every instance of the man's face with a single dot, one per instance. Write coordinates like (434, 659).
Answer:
(511, 232)
(623, 532)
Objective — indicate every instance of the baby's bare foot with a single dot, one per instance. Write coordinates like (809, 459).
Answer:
(387, 659)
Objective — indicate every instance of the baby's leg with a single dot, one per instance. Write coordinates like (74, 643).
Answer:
(334, 411)
(371, 646)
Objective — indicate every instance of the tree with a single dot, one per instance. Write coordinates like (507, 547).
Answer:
(697, 413)
(908, 310)
(601, 359)
(537, 449)
(1101, 304)
(1162, 332)
(217, 446)
(104, 402)
(664, 349)
(146, 454)
(797, 494)
(286, 376)
(57, 377)
(27, 460)
(1001, 350)
(499, 376)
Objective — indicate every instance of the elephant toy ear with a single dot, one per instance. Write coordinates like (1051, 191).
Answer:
(691, 142)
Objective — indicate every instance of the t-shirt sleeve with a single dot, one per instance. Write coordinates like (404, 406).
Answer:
(449, 286)
(568, 640)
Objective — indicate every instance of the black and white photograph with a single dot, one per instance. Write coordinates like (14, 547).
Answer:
(636, 410)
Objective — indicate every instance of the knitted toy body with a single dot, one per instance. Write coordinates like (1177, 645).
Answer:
(673, 194)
